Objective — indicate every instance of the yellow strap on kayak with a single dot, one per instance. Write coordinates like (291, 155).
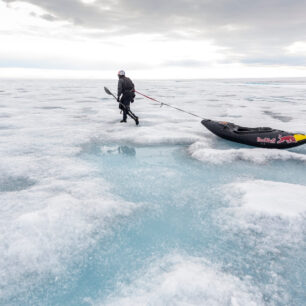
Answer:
(299, 137)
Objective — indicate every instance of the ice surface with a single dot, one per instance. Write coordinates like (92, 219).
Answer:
(178, 280)
(89, 204)
(273, 198)
(203, 152)
(187, 208)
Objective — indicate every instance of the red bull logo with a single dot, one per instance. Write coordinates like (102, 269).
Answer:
(287, 139)
(266, 140)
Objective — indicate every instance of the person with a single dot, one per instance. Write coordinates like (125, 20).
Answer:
(125, 96)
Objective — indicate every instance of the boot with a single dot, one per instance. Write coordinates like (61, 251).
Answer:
(123, 120)
(136, 121)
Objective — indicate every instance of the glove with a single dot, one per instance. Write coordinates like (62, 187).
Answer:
(118, 99)
(133, 97)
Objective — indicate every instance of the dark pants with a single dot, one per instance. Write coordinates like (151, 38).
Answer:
(125, 106)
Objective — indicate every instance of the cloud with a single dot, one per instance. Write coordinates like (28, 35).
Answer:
(204, 17)
(76, 64)
(258, 29)
(187, 63)
(48, 17)
(279, 60)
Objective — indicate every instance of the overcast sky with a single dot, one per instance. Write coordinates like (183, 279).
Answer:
(153, 38)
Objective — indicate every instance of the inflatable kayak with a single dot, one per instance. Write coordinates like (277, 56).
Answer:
(263, 137)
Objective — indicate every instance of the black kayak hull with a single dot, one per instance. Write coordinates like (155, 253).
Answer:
(262, 137)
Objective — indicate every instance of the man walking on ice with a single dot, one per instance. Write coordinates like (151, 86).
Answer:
(125, 96)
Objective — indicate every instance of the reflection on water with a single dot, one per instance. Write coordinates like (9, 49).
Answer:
(126, 150)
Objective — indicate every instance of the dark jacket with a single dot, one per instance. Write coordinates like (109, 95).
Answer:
(125, 85)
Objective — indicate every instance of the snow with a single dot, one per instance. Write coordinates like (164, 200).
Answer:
(270, 213)
(271, 198)
(183, 280)
(202, 152)
(76, 186)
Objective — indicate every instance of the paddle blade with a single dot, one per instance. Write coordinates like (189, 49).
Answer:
(108, 91)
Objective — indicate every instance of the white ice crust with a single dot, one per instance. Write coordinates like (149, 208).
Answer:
(53, 206)
(184, 280)
(268, 197)
(204, 153)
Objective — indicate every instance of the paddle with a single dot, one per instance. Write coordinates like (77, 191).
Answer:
(132, 115)
(109, 92)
